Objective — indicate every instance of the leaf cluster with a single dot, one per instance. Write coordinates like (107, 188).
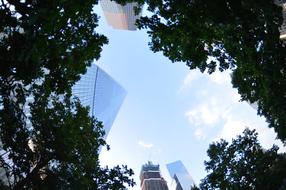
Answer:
(48, 140)
(244, 164)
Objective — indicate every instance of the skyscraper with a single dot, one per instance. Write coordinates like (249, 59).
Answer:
(118, 16)
(283, 27)
(95, 89)
(3, 176)
(151, 178)
(282, 3)
(180, 174)
(101, 93)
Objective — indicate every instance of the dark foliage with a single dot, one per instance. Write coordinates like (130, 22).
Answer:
(244, 165)
(48, 141)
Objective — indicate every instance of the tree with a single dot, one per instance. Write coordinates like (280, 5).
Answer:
(48, 141)
(195, 188)
(63, 153)
(226, 34)
(244, 164)
(52, 39)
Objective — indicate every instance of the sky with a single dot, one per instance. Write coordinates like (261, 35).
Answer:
(170, 113)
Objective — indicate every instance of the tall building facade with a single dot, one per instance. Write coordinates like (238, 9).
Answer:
(3, 177)
(120, 16)
(283, 27)
(179, 173)
(151, 178)
(282, 3)
(101, 93)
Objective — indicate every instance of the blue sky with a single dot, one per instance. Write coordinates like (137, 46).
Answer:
(170, 113)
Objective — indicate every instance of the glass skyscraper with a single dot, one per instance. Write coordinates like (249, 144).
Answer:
(120, 16)
(282, 3)
(179, 173)
(101, 93)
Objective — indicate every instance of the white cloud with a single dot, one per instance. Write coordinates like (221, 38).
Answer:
(231, 129)
(213, 98)
(204, 114)
(235, 123)
(191, 77)
(200, 134)
(211, 110)
(216, 105)
(145, 145)
(219, 78)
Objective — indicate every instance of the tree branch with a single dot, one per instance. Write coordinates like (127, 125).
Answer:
(31, 175)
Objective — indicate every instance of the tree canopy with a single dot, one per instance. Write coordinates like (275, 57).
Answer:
(55, 39)
(48, 140)
(244, 164)
(241, 35)
(59, 150)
